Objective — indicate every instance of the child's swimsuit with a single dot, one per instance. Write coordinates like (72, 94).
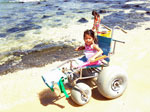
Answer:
(84, 61)
(89, 51)
(97, 23)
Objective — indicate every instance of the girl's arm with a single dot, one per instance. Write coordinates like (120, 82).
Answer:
(94, 24)
(99, 52)
(80, 48)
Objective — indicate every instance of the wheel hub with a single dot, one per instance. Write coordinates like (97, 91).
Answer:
(84, 96)
(116, 84)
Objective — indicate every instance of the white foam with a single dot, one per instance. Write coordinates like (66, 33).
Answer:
(136, 2)
(29, 0)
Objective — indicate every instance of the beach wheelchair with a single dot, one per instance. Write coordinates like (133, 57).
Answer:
(111, 81)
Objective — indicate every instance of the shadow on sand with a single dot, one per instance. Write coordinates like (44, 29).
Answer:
(96, 95)
(47, 97)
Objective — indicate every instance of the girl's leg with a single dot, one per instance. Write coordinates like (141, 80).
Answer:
(79, 61)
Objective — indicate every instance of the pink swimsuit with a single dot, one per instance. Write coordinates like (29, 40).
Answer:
(97, 23)
(89, 52)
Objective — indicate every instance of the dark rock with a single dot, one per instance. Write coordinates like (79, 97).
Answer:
(83, 20)
(65, 0)
(102, 11)
(148, 12)
(20, 35)
(59, 8)
(5, 17)
(147, 29)
(2, 35)
(45, 16)
(36, 26)
(48, 5)
(93, 1)
(26, 27)
(12, 30)
(138, 6)
(56, 6)
(26, 22)
(57, 20)
(80, 12)
(60, 13)
(38, 3)
(126, 6)
(21, 2)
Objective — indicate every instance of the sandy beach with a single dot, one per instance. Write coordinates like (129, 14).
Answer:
(25, 91)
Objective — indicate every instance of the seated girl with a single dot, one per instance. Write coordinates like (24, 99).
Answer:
(91, 50)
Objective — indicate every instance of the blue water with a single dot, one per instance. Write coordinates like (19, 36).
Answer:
(22, 25)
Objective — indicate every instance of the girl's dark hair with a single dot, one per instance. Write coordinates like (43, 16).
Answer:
(94, 13)
(91, 33)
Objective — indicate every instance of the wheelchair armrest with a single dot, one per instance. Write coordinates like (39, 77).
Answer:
(100, 58)
(119, 41)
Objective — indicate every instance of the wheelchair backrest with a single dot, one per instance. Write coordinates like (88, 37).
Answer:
(105, 44)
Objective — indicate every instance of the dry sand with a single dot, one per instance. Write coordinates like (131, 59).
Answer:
(24, 91)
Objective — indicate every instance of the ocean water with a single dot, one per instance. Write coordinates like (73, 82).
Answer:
(34, 33)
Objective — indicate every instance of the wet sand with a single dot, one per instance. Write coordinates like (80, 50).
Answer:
(24, 91)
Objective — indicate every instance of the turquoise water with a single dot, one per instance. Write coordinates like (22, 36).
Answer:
(30, 29)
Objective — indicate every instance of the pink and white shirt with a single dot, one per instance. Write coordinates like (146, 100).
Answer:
(89, 51)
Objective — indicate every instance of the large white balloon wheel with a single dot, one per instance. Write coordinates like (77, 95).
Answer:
(112, 82)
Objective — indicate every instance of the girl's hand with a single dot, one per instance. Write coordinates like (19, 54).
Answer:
(80, 48)
(91, 59)
(77, 49)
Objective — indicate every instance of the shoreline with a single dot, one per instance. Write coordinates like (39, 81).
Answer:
(39, 29)
(24, 90)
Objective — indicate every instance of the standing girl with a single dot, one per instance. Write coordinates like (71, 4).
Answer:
(97, 21)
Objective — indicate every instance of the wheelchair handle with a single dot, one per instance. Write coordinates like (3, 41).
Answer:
(114, 28)
(120, 28)
(106, 27)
